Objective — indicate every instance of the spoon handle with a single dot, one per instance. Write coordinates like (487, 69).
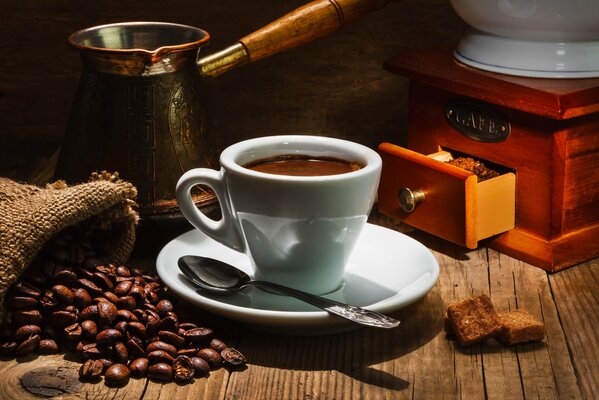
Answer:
(352, 313)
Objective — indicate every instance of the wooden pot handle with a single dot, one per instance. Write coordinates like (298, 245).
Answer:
(302, 25)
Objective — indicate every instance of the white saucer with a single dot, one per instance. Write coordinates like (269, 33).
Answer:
(387, 271)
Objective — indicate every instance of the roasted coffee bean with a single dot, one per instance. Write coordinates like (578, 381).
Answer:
(27, 317)
(83, 273)
(159, 345)
(163, 307)
(27, 290)
(123, 288)
(65, 277)
(8, 348)
(108, 270)
(142, 315)
(102, 281)
(212, 356)
(48, 346)
(136, 272)
(217, 344)
(106, 363)
(120, 279)
(108, 336)
(152, 286)
(111, 297)
(152, 313)
(160, 372)
(106, 312)
(138, 293)
(160, 356)
(126, 303)
(28, 346)
(187, 326)
(98, 299)
(126, 315)
(137, 329)
(199, 335)
(82, 298)
(135, 349)
(26, 331)
(190, 352)
(91, 351)
(171, 314)
(89, 329)
(121, 326)
(23, 303)
(202, 368)
(48, 302)
(139, 367)
(169, 323)
(91, 287)
(73, 332)
(152, 297)
(183, 369)
(152, 324)
(120, 353)
(89, 312)
(232, 357)
(63, 294)
(123, 271)
(172, 338)
(91, 370)
(117, 374)
(61, 319)
(139, 281)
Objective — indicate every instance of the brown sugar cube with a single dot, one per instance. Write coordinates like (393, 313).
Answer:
(473, 319)
(520, 326)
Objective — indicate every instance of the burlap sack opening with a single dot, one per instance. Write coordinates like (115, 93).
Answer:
(31, 215)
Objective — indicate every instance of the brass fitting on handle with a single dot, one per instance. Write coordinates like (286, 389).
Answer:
(224, 60)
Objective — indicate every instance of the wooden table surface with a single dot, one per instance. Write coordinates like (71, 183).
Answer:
(414, 361)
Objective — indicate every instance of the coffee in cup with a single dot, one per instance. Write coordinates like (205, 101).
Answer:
(295, 205)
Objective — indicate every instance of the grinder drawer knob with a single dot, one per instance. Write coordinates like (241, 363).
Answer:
(409, 199)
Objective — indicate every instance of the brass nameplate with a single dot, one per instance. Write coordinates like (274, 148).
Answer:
(477, 121)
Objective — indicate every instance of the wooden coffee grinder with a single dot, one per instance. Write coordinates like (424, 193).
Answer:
(542, 135)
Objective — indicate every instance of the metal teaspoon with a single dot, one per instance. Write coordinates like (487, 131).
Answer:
(219, 277)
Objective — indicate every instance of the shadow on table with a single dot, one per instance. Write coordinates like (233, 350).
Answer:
(353, 353)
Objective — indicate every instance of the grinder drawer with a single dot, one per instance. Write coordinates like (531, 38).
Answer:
(443, 199)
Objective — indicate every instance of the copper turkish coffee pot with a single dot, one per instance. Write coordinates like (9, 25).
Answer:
(139, 108)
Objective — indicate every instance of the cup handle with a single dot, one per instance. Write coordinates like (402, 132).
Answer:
(225, 230)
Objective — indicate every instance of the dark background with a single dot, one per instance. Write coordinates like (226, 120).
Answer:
(334, 87)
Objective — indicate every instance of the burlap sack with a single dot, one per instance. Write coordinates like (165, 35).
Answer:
(30, 215)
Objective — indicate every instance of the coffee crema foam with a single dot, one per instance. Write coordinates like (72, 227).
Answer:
(303, 165)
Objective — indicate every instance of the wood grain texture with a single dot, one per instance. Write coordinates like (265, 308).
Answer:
(576, 294)
(305, 24)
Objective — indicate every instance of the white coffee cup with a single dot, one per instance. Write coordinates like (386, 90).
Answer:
(298, 231)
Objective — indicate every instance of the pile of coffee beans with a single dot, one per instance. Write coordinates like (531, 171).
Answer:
(119, 321)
